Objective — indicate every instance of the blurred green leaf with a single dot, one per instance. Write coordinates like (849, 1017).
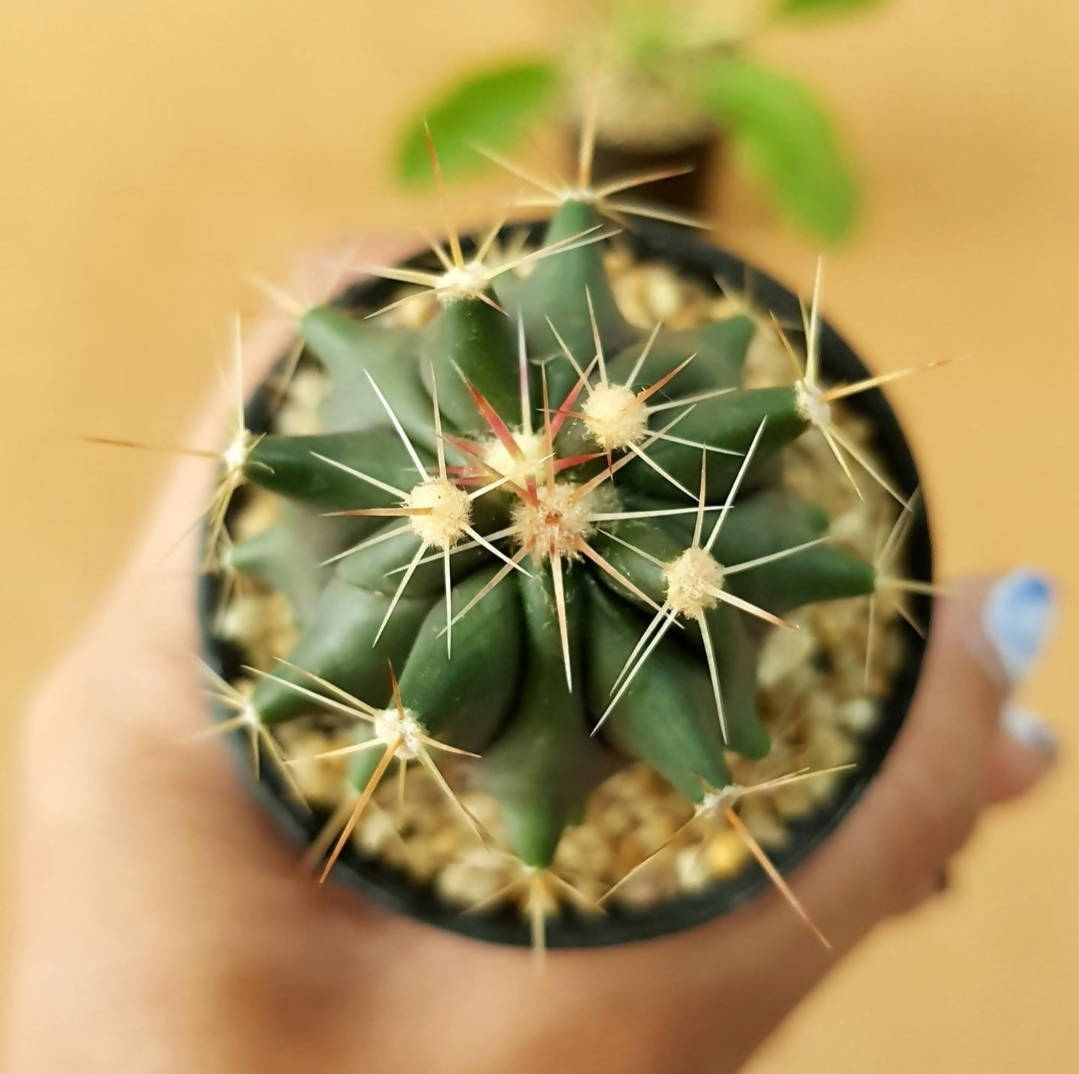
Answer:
(824, 7)
(493, 108)
(787, 139)
(646, 33)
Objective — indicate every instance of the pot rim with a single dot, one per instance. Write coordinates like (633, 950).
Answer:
(392, 889)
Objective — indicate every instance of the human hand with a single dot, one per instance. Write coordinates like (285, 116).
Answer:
(161, 923)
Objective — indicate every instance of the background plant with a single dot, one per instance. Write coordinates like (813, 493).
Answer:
(689, 60)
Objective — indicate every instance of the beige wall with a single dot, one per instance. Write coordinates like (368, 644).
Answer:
(154, 153)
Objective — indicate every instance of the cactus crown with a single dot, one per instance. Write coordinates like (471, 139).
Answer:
(556, 529)
(538, 537)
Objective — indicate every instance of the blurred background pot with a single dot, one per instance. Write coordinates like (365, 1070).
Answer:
(662, 75)
(691, 192)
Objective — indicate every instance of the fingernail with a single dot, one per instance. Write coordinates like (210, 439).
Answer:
(1024, 727)
(1018, 618)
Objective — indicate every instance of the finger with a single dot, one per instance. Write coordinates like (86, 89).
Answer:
(1017, 618)
(1024, 753)
(921, 809)
(936, 783)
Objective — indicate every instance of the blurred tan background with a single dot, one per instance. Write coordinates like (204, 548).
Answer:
(156, 153)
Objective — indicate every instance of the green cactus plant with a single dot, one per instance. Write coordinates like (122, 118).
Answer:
(538, 538)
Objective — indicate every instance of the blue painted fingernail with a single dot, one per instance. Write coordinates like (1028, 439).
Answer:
(1024, 727)
(1018, 618)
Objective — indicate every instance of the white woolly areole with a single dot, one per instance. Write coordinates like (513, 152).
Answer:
(533, 448)
(724, 798)
(450, 512)
(690, 578)
(551, 527)
(469, 280)
(235, 455)
(811, 404)
(249, 715)
(614, 417)
(390, 725)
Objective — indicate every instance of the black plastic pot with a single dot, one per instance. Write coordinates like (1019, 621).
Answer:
(392, 889)
(689, 192)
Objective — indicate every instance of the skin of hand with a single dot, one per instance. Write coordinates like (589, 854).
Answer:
(161, 923)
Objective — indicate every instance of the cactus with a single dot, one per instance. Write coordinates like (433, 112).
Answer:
(538, 538)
